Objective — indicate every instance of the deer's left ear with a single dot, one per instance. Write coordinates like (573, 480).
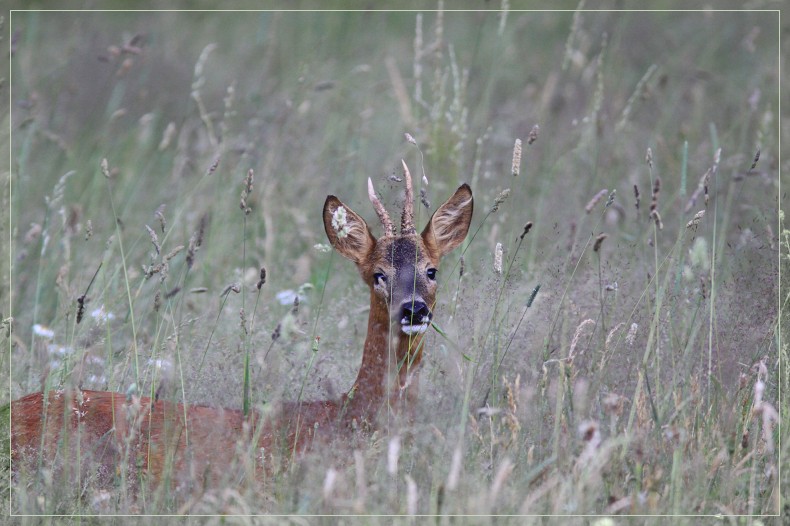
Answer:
(450, 223)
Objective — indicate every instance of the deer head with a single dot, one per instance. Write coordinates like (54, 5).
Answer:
(401, 270)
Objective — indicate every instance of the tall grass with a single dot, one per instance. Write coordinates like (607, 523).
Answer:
(625, 355)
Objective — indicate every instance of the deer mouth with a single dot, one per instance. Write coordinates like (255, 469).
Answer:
(415, 328)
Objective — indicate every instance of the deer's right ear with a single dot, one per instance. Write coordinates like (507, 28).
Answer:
(347, 231)
(450, 223)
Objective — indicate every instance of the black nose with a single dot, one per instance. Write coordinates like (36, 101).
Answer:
(415, 312)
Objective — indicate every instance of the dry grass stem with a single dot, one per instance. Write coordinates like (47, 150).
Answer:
(455, 468)
(577, 335)
(503, 472)
(570, 51)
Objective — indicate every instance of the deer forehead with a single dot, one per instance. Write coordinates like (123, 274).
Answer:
(401, 252)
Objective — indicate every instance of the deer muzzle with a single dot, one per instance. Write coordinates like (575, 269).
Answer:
(415, 317)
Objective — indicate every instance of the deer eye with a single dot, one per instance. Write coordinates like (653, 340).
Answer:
(431, 273)
(378, 276)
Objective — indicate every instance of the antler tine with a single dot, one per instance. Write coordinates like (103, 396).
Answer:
(407, 219)
(389, 230)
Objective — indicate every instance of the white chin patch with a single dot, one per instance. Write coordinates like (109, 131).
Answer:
(414, 329)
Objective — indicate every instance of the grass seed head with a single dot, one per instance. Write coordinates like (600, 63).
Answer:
(243, 320)
(172, 292)
(654, 200)
(498, 258)
(262, 279)
(527, 228)
(515, 168)
(424, 199)
(157, 301)
(657, 218)
(503, 195)
(195, 242)
(167, 136)
(610, 199)
(80, 308)
(599, 242)
(754, 162)
(173, 253)
(610, 336)
(631, 336)
(245, 193)
(595, 199)
(577, 336)
(696, 219)
(213, 167)
(533, 134)
(160, 216)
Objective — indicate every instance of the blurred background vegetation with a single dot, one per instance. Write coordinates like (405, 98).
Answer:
(182, 104)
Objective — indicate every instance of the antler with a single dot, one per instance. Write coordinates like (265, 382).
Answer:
(389, 230)
(407, 219)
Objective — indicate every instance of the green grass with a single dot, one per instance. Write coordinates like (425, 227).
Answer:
(523, 409)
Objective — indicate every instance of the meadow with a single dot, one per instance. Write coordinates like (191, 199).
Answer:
(621, 356)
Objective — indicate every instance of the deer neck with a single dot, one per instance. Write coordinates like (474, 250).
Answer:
(389, 361)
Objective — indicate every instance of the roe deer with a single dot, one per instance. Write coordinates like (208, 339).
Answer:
(142, 439)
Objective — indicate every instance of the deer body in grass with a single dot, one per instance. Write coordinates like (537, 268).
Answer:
(160, 439)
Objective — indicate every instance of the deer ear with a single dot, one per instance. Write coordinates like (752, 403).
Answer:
(450, 223)
(347, 231)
